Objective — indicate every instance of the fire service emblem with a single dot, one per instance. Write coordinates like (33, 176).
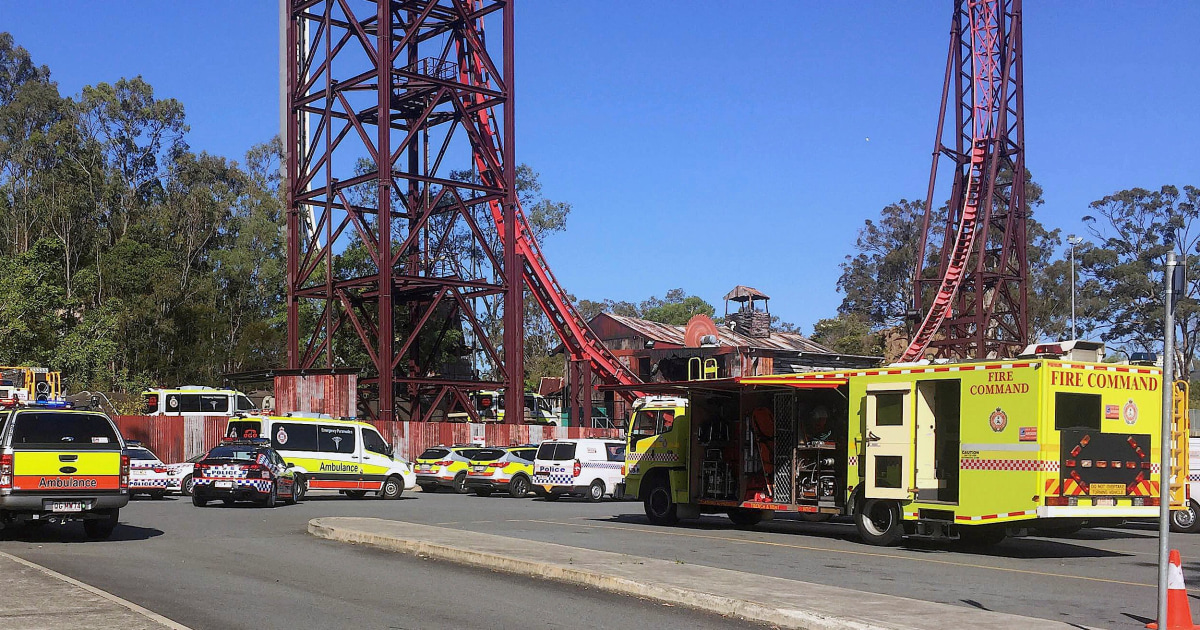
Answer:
(998, 420)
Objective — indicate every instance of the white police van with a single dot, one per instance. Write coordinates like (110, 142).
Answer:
(590, 468)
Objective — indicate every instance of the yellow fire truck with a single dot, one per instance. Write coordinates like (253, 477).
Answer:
(975, 450)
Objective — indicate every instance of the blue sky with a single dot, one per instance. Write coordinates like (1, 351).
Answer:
(712, 147)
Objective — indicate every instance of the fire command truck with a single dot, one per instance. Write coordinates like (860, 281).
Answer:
(978, 451)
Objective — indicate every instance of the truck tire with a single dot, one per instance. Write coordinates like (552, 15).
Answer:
(878, 522)
(660, 506)
(1185, 521)
(102, 528)
(745, 517)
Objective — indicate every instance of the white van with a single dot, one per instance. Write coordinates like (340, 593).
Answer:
(192, 400)
(590, 468)
(328, 454)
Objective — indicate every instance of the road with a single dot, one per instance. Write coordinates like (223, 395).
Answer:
(220, 567)
(246, 567)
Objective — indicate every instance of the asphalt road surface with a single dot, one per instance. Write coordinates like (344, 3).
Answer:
(246, 567)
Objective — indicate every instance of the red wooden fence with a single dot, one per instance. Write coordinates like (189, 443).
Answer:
(175, 439)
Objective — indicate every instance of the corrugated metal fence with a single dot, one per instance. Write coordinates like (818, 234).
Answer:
(175, 439)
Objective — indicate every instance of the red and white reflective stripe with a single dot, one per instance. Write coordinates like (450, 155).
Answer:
(988, 517)
(852, 460)
(1028, 465)
(1107, 368)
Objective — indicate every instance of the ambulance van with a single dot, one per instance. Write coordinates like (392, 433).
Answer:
(330, 454)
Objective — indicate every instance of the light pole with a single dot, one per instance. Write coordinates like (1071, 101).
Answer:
(1073, 240)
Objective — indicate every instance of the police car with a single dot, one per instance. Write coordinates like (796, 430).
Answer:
(244, 470)
(147, 473)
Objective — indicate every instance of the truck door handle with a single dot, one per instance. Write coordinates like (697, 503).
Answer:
(871, 437)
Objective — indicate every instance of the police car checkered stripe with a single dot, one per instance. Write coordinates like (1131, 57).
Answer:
(262, 485)
(1033, 465)
(1193, 477)
(852, 460)
(557, 479)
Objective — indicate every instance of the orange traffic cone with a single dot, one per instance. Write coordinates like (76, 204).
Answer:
(1179, 614)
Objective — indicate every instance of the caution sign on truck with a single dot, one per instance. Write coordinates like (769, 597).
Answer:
(976, 450)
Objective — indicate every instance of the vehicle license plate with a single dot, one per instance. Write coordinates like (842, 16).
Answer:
(480, 468)
(1106, 502)
(1106, 488)
(224, 484)
(423, 467)
(66, 506)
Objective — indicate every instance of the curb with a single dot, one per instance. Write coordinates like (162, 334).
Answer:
(717, 604)
(124, 603)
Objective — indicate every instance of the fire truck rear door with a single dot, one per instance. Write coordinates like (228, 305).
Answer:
(888, 441)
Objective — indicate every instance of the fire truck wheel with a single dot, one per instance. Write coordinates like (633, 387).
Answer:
(1185, 521)
(744, 517)
(660, 509)
(878, 522)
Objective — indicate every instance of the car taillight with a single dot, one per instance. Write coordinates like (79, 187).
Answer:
(256, 471)
(161, 469)
(575, 470)
(6, 470)
(622, 470)
(1058, 501)
(124, 472)
(500, 465)
(444, 462)
(198, 471)
(1151, 501)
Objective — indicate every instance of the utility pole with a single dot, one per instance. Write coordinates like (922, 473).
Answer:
(1173, 278)
(1073, 240)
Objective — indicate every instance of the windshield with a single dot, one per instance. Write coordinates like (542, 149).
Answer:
(50, 427)
(141, 453)
(487, 455)
(246, 453)
(556, 451)
(434, 453)
(243, 429)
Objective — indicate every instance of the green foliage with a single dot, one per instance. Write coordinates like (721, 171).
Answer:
(676, 308)
(126, 259)
(877, 279)
(1123, 285)
(849, 334)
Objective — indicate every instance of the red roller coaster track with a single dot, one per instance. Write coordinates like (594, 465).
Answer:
(580, 341)
(979, 307)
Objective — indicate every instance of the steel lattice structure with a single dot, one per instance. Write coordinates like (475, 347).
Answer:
(976, 306)
(392, 260)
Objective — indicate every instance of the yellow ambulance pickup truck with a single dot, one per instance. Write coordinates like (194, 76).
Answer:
(59, 465)
(976, 451)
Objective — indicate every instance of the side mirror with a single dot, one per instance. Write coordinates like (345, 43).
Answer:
(289, 465)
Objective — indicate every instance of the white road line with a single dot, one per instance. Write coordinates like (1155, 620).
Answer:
(95, 591)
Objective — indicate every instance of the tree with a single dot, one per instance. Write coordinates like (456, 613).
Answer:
(877, 279)
(1123, 271)
(849, 334)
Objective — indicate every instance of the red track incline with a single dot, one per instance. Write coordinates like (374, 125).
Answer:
(581, 342)
(986, 71)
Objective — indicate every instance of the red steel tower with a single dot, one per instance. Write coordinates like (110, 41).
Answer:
(975, 306)
(400, 149)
